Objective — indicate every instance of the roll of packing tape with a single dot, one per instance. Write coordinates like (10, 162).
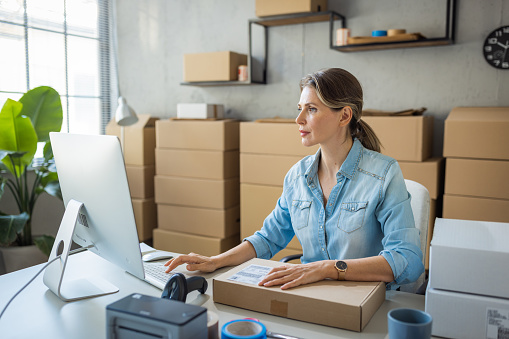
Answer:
(243, 329)
(392, 32)
(213, 325)
(379, 33)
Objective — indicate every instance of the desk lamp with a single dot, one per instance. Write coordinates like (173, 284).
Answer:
(124, 116)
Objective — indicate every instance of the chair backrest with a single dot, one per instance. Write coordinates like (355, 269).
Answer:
(420, 203)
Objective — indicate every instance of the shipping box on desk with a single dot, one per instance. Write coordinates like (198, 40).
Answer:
(212, 135)
(139, 140)
(477, 132)
(342, 304)
(213, 66)
(280, 7)
(408, 138)
(266, 137)
(197, 163)
(470, 257)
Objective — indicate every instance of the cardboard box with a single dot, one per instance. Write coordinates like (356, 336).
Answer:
(208, 222)
(429, 173)
(186, 243)
(200, 111)
(480, 178)
(256, 203)
(279, 7)
(468, 316)
(343, 304)
(145, 215)
(431, 226)
(489, 125)
(197, 163)
(213, 66)
(407, 138)
(141, 181)
(265, 169)
(475, 208)
(211, 135)
(470, 257)
(273, 138)
(192, 192)
(139, 140)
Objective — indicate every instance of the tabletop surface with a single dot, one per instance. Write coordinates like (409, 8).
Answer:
(36, 311)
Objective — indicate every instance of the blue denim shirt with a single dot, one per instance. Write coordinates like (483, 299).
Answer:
(368, 213)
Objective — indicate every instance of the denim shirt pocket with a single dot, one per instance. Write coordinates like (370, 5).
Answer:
(300, 215)
(351, 216)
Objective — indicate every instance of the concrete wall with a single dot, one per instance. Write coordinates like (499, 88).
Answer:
(154, 34)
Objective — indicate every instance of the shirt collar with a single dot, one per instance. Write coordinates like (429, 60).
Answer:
(348, 167)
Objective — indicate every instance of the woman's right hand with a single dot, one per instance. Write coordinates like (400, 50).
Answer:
(195, 262)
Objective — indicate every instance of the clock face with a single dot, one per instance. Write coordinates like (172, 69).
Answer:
(496, 48)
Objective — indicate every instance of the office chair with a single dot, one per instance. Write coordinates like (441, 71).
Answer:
(420, 203)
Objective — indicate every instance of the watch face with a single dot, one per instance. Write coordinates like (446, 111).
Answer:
(341, 265)
(496, 47)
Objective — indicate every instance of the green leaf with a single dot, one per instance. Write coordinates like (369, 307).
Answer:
(16, 134)
(43, 106)
(53, 188)
(10, 226)
(44, 243)
(48, 151)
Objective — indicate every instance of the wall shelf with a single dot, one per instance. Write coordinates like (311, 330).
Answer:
(220, 83)
(447, 39)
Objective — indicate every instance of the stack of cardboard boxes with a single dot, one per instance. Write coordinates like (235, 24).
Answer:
(467, 293)
(477, 167)
(197, 186)
(409, 140)
(267, 152)
(139, 145)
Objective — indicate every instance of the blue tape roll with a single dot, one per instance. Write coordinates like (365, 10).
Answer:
(379, 33)
(243, 329)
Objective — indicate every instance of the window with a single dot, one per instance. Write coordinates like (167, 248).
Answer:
(64, 44)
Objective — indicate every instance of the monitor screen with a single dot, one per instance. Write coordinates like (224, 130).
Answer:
(99, 213)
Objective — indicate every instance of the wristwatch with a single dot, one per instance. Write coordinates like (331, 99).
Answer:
(341, 266)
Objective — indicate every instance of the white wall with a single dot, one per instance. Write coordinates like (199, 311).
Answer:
(154, 34)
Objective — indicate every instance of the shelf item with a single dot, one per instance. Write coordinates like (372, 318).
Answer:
(264, 8)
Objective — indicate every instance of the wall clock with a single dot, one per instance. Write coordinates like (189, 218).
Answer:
(496, 47)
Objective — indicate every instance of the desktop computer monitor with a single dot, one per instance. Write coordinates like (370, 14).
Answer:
(99, 214)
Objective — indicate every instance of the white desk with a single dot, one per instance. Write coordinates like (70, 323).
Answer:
(37, 312)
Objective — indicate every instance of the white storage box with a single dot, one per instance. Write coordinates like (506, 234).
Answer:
(200, 111)
(470, 257)
(469, 316)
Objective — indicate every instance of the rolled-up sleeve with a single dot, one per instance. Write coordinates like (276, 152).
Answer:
(401, 240)
(276, 232)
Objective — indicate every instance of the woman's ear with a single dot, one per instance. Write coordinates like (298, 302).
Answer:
(346, 116)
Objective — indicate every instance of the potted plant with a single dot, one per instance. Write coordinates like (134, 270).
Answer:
(23, 124)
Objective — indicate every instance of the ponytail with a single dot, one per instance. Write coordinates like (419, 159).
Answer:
(362, 131)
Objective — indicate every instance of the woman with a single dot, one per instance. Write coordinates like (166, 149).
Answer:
(347, 204)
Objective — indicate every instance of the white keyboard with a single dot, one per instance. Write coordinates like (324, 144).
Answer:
(155, 273)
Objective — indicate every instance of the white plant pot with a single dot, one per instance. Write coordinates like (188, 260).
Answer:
(18, 257)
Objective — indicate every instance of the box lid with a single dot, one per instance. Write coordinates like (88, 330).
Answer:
(474, 235)
(500, 114)
(144, 121)
(342, 304)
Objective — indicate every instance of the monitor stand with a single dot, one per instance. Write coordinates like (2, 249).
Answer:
(70, 290)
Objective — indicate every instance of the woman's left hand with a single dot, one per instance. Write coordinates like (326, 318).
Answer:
(295, 275)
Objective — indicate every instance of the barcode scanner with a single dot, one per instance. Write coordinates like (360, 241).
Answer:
(178, 287)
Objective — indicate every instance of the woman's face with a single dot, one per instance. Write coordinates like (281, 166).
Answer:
(318, 124)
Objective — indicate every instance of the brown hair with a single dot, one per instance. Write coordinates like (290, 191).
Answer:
(337, 88)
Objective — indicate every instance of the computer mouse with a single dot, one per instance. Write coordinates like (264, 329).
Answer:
(158, 255)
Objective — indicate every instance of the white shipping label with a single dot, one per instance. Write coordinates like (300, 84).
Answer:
(252, 274)
(497, 323)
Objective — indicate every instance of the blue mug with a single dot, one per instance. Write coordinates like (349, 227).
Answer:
(404, 323)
